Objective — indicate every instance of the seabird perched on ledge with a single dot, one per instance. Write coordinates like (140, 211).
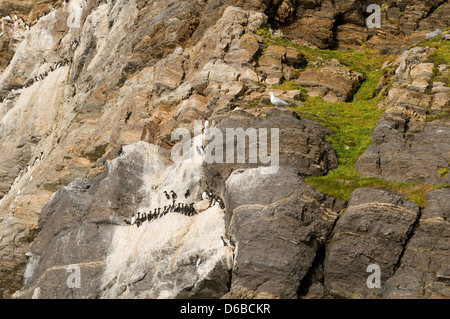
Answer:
(223, 241)
(230, 242)
(277, 101)
(174, 195)
(167, 195)
(186, 195)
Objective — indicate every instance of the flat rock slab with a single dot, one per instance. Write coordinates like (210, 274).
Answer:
(333, 83)
(372, 230)
(278, 223)
(424, 269)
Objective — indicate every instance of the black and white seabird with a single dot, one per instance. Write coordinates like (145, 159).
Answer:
(221, 204)
(223, 241)
(167, 195)
(187, 194)
(133, 220)
(205, 195)
(192, 209)
(174, 195)
(230, 242)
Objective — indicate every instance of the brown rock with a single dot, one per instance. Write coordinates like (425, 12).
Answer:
(333, 82)
(243, 50)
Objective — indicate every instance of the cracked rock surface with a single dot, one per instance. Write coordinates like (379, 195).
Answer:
(90, 145)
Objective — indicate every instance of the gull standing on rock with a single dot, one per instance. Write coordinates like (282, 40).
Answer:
(277, 101)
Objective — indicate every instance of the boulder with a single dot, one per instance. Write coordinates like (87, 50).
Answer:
(168, 73)
(302, 144)
(289, 215)
(276, 58)
(243, 50)
(423, 270)
(373, 229)
(333, 82)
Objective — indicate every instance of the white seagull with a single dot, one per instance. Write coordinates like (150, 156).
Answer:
(277, 101)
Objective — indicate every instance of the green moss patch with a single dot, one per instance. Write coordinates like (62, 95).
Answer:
(352, 122)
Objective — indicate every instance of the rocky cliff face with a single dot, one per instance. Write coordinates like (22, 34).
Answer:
(87, 114)
(407, 147)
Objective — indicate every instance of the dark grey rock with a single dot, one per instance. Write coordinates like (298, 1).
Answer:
(423, 271)
(302, 144)
(403, 151)
(279, 223)
(373, 229)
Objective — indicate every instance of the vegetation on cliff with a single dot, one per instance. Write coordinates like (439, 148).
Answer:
(353, 121)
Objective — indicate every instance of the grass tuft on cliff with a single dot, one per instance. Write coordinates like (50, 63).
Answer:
(352, 122)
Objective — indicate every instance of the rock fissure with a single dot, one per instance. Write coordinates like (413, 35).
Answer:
(409, 235)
